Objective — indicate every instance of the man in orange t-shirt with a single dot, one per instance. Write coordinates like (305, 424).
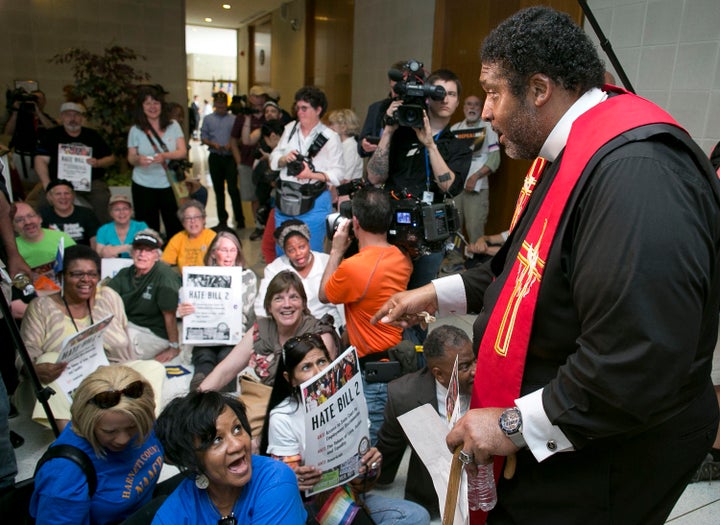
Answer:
(363, 283)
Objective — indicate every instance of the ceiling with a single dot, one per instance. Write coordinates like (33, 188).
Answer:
(241, 12)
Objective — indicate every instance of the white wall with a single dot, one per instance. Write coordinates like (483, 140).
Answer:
(670, 51)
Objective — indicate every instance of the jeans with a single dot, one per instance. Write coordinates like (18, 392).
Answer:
(376, 398)
(425, 269)
(8, 464)
(395, 511)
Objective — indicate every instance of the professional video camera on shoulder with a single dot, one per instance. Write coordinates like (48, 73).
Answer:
(411, 89)
(422, 228)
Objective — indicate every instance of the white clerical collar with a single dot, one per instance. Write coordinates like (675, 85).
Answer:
(557, 139)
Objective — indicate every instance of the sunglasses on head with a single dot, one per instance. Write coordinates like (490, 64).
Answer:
(313, 340)
(111, 398)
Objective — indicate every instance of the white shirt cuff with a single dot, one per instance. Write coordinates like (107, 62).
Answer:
(542, 437)
(450, 292)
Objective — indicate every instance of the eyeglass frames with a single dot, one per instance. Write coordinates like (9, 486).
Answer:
(111, 398)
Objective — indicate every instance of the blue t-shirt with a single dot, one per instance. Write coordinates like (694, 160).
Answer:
(125, 482)
(271, 497)
(107, 235)
(153, 176)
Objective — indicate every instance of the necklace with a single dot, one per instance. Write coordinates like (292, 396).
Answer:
(72, 319)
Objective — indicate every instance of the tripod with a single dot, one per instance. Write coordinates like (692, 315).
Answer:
(42, 393)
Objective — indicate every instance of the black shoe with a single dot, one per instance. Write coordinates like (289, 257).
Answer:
(257, 234)
(13, 411)
(16, 439)
(220, 227)
(708, 470)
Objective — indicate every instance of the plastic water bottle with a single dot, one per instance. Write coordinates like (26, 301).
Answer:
(482, 494)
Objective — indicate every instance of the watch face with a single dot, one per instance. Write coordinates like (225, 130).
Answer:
(510, 421)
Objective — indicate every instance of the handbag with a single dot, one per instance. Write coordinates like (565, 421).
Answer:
(179, 188)
(16, 502)
(256, 397)
(340, 508)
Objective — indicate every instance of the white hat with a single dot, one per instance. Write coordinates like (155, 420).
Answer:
(72, 106)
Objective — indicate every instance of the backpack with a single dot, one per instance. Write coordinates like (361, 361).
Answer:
(18, 499)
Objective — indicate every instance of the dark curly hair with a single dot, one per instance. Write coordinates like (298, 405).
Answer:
(187, 426)
(541, 40)
(313, 96)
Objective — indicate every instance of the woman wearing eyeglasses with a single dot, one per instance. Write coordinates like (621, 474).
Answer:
(113, 413)
(50, 319)
(207, 436)
(189, 246)
(310, 159)
(225, 250)
(283, 437)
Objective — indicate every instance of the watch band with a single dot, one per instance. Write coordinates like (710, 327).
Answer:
(511, 424)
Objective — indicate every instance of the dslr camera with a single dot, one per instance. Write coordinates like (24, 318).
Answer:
(179, 167)
(420, 227)
(333, 220)
(410, 87)
(295, 167)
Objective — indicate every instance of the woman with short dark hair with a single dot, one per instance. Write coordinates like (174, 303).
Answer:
(207, 436)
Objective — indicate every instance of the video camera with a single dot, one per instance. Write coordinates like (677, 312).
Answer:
(418, 226)
(411, 89)
(20, 95)
(333, 220)
(239, 106)
(295, 167)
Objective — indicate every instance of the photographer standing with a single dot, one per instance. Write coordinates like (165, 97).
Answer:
(215, 134)
(362, 283)
(427, 162)
(309, 157)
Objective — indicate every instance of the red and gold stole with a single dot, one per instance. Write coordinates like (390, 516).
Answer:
(503, 348)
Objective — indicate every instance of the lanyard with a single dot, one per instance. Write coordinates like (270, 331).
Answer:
(427, 163)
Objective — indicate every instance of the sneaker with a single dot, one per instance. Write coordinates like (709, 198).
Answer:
(708, 470)
(257, 234)
(196, 380)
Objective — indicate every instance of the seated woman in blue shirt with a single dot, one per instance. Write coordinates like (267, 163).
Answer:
(114, 239)
(113, 413)
(207, 436)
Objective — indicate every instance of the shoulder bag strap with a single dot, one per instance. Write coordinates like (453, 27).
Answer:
(74, 454)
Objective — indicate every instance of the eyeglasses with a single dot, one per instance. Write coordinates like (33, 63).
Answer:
(111, 398)
(303, 108)
(80, 275)
(19, 220)
(189, 218)
(230, 519)
(226, 250)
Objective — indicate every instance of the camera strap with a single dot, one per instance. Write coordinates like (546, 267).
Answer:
(428, 171)
(160, 141)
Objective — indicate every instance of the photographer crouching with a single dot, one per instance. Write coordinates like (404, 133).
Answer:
(309, 157)
(362, 283)
(419, 156)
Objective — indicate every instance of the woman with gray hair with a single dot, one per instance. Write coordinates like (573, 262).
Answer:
(189, 246)
(113, 415)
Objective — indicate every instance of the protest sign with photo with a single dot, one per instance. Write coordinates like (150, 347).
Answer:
(84, 353)
(216, 292)
(73, 165)
(336, 422)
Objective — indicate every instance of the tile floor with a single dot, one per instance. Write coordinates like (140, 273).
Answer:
(699, 504)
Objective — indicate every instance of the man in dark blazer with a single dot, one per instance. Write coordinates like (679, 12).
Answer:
(428, 385)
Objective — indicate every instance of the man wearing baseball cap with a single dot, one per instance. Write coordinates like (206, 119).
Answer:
(149, 290)
(59, 149)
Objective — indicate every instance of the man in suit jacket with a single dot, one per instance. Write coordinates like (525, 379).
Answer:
(428, 385)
